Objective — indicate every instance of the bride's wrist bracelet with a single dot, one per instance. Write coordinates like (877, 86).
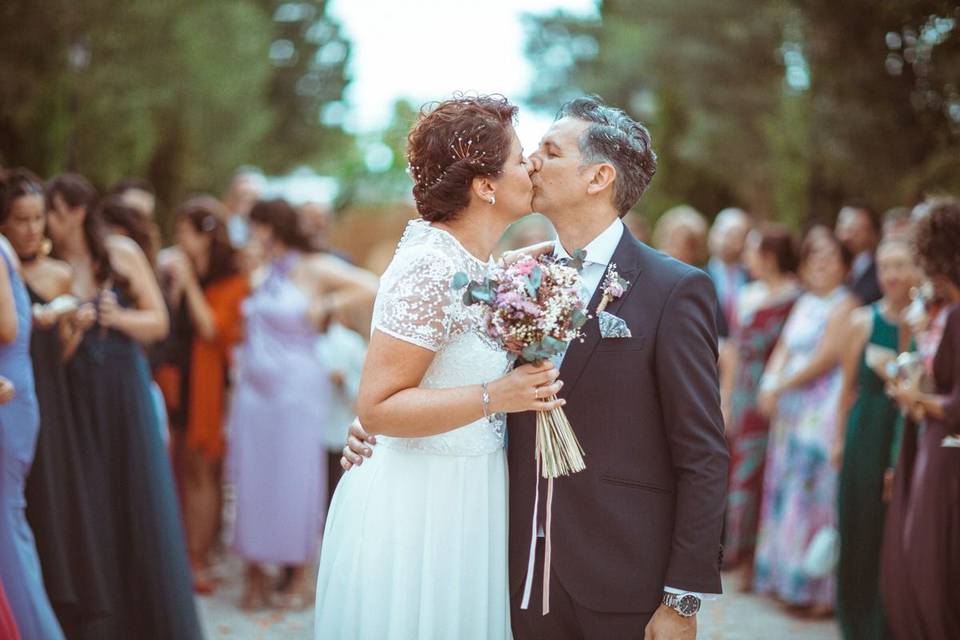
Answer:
(486, 402)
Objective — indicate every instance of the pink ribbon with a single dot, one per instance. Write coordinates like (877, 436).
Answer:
(531, 559)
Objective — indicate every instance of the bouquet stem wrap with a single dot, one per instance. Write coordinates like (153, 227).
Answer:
(558, 453)
(559, 450)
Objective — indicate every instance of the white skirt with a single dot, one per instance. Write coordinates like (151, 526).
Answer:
(415, 546)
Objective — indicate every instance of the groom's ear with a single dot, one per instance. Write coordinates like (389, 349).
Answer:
(603, 176)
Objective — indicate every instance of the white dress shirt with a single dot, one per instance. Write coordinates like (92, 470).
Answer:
(599, 253)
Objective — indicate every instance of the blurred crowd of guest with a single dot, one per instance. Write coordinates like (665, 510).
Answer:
(147, 391)
(159, 404)
(840, 386)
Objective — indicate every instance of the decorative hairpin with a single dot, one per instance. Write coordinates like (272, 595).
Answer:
(461, 149)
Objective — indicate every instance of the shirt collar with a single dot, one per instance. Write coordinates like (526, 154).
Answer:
(600, 250)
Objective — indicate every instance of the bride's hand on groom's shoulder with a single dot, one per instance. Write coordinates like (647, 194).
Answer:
(535, 250)
(357, 447)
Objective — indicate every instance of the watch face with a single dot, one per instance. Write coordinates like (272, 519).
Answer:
(689, 605)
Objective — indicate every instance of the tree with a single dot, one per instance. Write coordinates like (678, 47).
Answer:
(787, 107)
(179, 92)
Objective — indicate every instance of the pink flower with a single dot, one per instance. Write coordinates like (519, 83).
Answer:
(524, 266)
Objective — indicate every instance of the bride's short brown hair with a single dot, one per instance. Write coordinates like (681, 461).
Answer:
(453, 142)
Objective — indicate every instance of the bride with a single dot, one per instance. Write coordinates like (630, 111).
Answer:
(415, 540)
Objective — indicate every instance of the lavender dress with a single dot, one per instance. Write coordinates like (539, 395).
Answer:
(277, 459)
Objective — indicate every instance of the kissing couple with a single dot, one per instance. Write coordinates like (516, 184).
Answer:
(417, 542)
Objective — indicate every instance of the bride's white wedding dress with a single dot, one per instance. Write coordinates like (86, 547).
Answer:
(415, 544)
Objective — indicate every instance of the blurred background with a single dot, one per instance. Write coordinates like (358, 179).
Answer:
(765, 111)
(785, 108)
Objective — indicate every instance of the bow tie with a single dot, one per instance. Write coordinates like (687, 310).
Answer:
(577, 261)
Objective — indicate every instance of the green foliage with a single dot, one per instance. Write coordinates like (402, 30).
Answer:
(785, 107)
(534, 280)
(178, 92)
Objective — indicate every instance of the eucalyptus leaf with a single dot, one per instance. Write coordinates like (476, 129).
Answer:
(552, 345)
(531, 353)
(534, 281)
(483, 294)
(578, 318)
(460, 280)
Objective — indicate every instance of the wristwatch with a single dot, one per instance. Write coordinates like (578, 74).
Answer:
(686, 604)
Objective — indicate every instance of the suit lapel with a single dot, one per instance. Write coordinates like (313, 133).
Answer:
(627, 258)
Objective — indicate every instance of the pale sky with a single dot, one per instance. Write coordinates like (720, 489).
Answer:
(425, 50)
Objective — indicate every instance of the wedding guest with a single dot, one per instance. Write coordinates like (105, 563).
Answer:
(869, 421)
(342, 352)
(858, 228)
(141, 542)
(638, 225)
(20, 570)
(59, 506)
(726, 242)
(8, 626)
(138, 194)
(681, 233)
(123, 219)
(763, 306)
(897, 224)
(244, 190)
(801, 392)
(207, 291)
(921, 547)
(277, 456)
(317, 220)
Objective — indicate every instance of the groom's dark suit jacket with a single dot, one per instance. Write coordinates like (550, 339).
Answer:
(647, 512)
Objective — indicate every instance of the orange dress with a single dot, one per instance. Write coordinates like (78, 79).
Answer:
(209, 364)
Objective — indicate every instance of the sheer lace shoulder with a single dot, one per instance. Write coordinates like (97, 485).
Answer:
(415, 302)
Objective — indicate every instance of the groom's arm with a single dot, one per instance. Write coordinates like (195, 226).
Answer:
(688, 386)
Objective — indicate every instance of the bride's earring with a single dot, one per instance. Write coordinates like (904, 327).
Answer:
(492, 200)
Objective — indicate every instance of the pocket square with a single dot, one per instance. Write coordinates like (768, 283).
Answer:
(612, 326)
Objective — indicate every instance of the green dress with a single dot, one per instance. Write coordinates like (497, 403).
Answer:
(872, 429)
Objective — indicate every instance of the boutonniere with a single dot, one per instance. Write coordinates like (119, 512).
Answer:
(613, 287)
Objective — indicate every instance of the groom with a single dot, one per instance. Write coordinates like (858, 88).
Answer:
(636, 536)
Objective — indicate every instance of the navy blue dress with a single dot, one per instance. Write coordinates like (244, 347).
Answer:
(60, 506)
(143, 550)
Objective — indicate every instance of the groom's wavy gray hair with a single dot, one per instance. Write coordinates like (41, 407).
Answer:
(615, 137)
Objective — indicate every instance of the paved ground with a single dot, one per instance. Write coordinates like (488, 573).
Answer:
(734, 617)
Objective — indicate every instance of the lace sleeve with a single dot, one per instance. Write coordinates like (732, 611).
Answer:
(415, 298)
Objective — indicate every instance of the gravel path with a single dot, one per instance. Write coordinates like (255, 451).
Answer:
(734, 617)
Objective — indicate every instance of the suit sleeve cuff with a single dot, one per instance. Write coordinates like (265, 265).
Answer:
(705, 597)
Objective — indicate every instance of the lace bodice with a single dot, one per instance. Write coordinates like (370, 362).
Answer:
(416, 304)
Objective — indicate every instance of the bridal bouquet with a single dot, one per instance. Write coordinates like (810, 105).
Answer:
(534, 310)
